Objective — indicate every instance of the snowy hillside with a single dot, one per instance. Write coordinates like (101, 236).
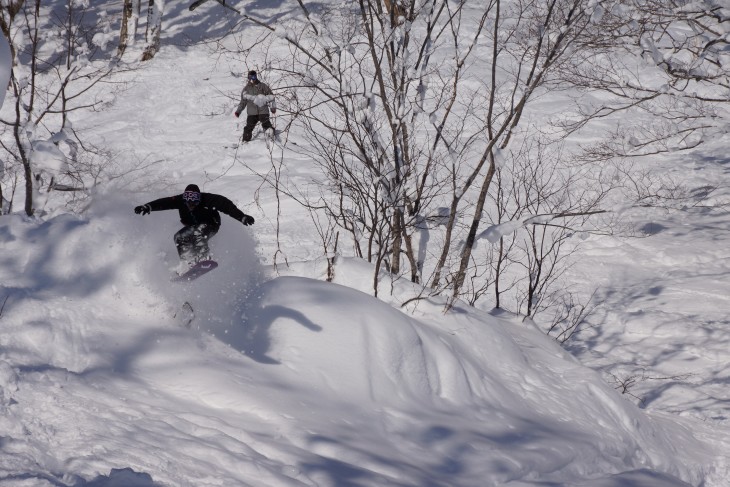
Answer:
(284, 379)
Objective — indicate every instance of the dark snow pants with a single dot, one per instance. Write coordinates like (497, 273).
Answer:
(192, 242)
(251, 122)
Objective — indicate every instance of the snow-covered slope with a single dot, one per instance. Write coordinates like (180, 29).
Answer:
(285, 381)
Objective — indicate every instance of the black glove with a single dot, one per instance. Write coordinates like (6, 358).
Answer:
(247, 220)
(143, 209)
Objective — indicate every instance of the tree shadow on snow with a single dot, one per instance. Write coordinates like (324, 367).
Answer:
(211, 21)
(458, 454)
(118, 477)
(122, 477)
(48, 269)
(637, 366)
(252, 335)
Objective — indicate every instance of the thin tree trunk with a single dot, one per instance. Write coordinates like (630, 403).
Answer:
(436, 282)
(471, 238)
(127, 15)
(27, 170)
(410, 254)
(498, 275)
(155, 11)
(397, 241)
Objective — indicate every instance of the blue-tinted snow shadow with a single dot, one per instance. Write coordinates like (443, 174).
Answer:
(212, 21)
(118, 477)
(252, 334)
(121, 477)
(40, 273)
(181, 27)
(703, 160)
(465, 455)
(635, 370)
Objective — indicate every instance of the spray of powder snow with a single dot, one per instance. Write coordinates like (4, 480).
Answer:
(146, 255)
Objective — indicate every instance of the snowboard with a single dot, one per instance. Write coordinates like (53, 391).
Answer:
(202, 267)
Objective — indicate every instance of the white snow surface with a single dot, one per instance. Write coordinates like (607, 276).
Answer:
(287, 380)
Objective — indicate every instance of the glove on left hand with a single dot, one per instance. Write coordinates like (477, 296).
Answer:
(143, 209)
(247, 220)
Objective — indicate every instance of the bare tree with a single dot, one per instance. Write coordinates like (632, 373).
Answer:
(8, 11)
(366, 113)
(155, 11)
(47, 85)
(399, 134)
(664, 60)
(421, 153)
(128, 25)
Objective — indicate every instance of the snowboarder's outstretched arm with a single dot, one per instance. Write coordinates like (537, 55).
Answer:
(199, 214)
(169, 203)
(224, 205)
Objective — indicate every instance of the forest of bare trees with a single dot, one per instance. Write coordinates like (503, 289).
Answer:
(425, 120)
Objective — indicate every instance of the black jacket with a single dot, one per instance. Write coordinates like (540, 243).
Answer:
(205, 212)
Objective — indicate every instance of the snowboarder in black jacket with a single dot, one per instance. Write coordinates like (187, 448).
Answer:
(199, 214)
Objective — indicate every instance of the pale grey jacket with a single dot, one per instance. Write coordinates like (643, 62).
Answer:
(256, 97)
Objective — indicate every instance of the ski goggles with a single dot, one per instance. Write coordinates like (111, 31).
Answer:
(252, 77)
(191, 197)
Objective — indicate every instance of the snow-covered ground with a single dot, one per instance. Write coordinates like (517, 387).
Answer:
(286, 380)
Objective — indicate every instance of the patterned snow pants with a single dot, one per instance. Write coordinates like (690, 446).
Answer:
(192, 242)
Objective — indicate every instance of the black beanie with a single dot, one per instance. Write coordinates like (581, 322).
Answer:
(252, 73)
(192, 187)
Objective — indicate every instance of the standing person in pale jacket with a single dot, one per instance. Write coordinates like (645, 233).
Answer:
(256, 98)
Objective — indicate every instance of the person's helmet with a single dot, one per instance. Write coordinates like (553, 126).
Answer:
(191, 195)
